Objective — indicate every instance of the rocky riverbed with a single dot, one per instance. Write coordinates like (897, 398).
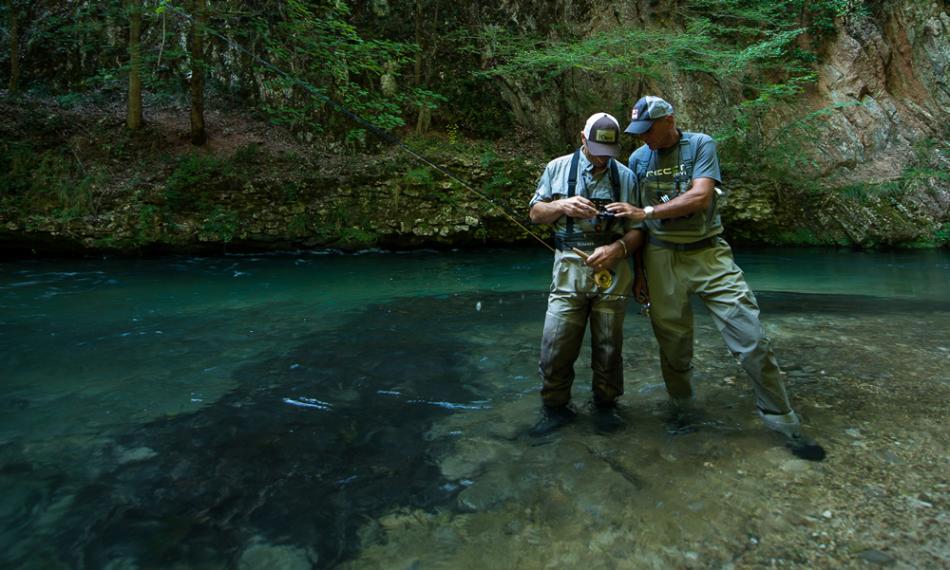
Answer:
(726, 494)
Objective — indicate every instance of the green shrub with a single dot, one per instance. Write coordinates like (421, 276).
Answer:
(51, 182)
(193, 177)
(419, 177)
(221, 225)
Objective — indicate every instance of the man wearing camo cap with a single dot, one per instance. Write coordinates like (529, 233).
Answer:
(677, 205)
(582, 194)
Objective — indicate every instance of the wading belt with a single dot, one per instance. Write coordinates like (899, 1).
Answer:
(587, 241)
(701, 244)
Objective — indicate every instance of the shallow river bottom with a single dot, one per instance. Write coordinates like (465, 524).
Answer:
(394, 437)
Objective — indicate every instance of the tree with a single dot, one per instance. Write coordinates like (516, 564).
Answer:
(425, 112)
(134, 120)
(14, 47)
(199, 18)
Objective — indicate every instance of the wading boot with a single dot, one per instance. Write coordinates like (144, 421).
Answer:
(798, 443)
(683, 417)
(607, 418)
(552, 419)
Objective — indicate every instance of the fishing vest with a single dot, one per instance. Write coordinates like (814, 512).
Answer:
(696, 225)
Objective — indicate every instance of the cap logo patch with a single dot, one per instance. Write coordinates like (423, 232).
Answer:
(605, 135)
(633, 114)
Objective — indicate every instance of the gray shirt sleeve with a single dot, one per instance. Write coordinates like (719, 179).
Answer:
(706, 163)
(543, 192)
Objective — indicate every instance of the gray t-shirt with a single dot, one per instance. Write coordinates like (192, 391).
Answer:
(666, 173)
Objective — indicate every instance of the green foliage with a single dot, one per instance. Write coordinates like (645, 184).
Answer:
(355, 237)
(194, 175)
(222, 225)
(752, 47)
(50, 181)
(298, 226)
(864, 193)
(733, 41)
(17, 160)
(453, 133)
(942, 236)
(148, 226)
(500, 181)
(420, 177)
(330, 60)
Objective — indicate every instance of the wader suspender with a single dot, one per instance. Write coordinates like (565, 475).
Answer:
(571, 185)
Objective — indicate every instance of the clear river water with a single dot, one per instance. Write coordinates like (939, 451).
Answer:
(321, 410)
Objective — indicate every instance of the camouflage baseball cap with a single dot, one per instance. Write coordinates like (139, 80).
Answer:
(602, 132)
(645, 111)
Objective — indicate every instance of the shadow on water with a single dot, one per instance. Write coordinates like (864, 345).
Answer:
(779, 303)
(312, 444)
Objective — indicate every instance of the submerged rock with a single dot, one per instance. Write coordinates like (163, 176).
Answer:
(269, 557)
(877, 557)
(489, 491)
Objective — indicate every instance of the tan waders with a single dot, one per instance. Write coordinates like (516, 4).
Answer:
(712, 274)
(575, 300)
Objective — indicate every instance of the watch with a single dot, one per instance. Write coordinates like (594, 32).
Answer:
(648, 213)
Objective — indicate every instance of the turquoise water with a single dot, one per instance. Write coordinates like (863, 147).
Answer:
(313, 408)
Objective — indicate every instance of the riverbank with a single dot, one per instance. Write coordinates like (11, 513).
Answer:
(79, 183)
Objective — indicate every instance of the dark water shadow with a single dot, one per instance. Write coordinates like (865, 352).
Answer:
(783, 302)
(312, 444)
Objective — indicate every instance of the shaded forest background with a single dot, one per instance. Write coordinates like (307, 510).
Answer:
(151, 125)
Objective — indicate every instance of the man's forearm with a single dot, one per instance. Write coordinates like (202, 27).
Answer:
(696, 199)
(632, 241)
(545, 213)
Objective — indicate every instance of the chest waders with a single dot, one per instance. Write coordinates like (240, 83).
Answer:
(569, 240)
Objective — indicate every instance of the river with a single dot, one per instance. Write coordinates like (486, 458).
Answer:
(316, 409)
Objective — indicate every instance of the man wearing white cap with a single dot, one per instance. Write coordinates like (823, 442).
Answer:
(677, 197)
(579, 194)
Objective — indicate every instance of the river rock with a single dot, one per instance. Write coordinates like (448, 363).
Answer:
(491, 490)
(877, 557)
(261, 556)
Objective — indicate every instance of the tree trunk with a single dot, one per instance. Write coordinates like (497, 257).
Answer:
(424, 119)
(134, 121)
(417, 75)
(199, 17)
(14, 48)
